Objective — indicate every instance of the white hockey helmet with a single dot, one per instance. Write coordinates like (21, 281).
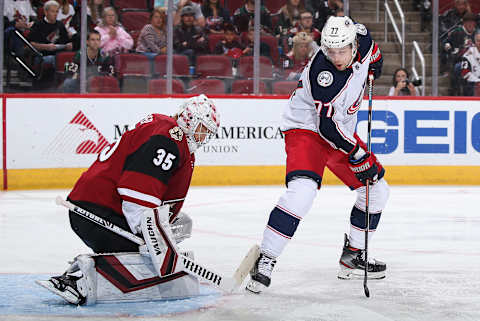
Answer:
(339, 32)
(195, 111)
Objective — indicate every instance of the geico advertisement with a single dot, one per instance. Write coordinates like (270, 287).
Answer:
(70, 132)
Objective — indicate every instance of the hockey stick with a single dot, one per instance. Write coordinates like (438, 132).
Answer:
(191, 267)
(367, 183)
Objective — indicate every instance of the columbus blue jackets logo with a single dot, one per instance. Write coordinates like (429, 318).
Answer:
(325, 78)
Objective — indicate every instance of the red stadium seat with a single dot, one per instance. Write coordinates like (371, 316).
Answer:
(245, 86)
(272, 42)
(130, 4)
(131, 64)
(233, 5)
(61, 58)
(103, 84)
(477, 90)
(274, 5)
(206, 86)
(134, 20)
(245, 67)
(284, 87)
(159, 86)
(180, 65)
(214, 65)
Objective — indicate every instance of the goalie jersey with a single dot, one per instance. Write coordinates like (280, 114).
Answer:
(150, 165)
(326, 100)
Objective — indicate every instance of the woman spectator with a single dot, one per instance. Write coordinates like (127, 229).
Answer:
(215, 16)
(402, 86)
(289, 16)
(65, 15)
(153, 38)
(94, 10)
(115, 39)
(299, 56)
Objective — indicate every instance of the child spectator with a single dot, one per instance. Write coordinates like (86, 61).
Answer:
(229, 46)
(153, 38)
(248, 43)
(289, 17)
(215, 16)
(115, 39)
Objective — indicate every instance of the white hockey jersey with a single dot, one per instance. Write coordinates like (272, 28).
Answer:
(471, 65)
(326, 100)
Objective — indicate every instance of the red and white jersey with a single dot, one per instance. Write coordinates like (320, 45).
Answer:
(326, 100)
(470, 65)
(150, 165)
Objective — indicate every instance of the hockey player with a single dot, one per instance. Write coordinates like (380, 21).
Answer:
(148, 167)
(319, 124)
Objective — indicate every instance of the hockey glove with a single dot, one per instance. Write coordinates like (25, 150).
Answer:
(376, 68)
(364, 167)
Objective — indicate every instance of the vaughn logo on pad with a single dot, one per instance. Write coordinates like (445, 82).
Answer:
(79, 136)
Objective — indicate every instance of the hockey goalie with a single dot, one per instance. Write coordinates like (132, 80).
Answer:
(138, 185)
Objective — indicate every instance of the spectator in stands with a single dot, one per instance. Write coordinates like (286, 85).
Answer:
(199, 18)
(470, 67)
(189, 39)
(115, 39)
(216, 17)
(94, 10)
(153, 37)
(289, 17)
(243, 17)
(97, 64)
(49, 36)
(453, 17)
(229, 46)
(248, 44)
(425, 8)
(17, 15)
(299, 56)
(402, 86)
(322, 10)
(65, 15)
(456, 44)
(305, 25)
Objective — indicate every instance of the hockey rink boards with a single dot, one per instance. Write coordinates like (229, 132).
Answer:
(428, 236)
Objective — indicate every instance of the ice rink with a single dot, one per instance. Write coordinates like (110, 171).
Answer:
(428, 236)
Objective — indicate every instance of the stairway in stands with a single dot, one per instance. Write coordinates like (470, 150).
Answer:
(364, 11)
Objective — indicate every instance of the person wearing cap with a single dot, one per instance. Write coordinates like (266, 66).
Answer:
(189, 39)
(199, 17)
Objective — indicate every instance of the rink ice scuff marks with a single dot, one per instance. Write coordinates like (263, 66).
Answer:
(20, 296)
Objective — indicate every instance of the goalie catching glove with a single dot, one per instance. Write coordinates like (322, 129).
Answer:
(363, 165)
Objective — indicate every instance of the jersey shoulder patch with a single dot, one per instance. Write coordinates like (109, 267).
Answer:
(325, 80)
(364, 40)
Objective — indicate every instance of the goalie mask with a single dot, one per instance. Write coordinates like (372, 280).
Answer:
(199, 120)
(337, 33)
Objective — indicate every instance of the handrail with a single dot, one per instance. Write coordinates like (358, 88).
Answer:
(400, 37)
(416, 48)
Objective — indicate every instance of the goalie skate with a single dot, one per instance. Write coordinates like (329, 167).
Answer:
(64, 286)
(352, 264)
(260, 274)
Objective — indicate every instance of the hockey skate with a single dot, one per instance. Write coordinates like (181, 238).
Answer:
(260, 274)
(352, 264)
(64, 286)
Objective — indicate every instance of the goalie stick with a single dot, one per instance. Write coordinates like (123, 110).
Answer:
(226, 284)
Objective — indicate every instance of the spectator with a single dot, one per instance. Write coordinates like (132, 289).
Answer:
(199, 18)
(49, 36)
(229, 46)
(216, 17)
(470, 67)
(322, 10)
(402, 86)
(456, 44)
(453, 17)
(289, 17)
(306, 25)
(153, 38)
(243, 17)
(248, 51)
(17, 15)
(189, 39)
(115, 39)
(65, 15)
(94, 10)
(97, 64)
(299, 56)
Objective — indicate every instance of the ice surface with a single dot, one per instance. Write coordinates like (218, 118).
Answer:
(428, 236)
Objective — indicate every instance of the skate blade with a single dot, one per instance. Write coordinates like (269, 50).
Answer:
(255, 287)
(357, 274)
(66, 295)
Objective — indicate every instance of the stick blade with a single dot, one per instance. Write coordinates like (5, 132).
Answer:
(246, 265)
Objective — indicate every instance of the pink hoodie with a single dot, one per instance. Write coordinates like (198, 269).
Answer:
(111, 46)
